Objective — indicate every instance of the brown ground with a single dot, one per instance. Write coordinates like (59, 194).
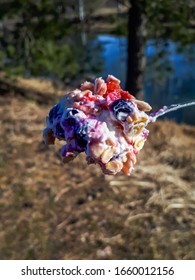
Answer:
(53, 211)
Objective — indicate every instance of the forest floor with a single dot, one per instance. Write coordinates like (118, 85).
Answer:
(53, 211)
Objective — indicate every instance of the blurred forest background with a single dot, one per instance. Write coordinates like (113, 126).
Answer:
(51, 211)
(144, 44)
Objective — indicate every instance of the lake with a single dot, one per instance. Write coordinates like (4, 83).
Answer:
(169, 78)
(169, 74)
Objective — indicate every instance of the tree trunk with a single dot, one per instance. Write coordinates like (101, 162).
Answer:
(136, 49)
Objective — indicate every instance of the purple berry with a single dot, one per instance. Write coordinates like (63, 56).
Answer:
(59, 131)
(70, 117)
(81, 131)
(121, 109)
(54, 113)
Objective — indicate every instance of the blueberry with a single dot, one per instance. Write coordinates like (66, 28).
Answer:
(54, 113)
(72, 112)
(121, 109)
(71, 121)
(59, 131)
(69, 117)
(81, 132)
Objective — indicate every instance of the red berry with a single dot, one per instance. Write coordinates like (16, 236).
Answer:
(112, 96)
(126, 95)
(89, 97)
(113, 86)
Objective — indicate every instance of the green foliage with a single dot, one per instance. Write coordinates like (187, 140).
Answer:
(169, 18)
(38, 39)
(41, 57)
(121, 27)
(53, 58)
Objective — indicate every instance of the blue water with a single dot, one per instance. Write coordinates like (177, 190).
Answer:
(169, 75)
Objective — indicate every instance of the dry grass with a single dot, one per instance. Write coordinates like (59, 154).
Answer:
(40, 85)
(55, 211)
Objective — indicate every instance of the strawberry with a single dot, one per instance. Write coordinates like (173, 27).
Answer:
(126, 95)
(113, 86)
(89, 96)
(112, 96)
